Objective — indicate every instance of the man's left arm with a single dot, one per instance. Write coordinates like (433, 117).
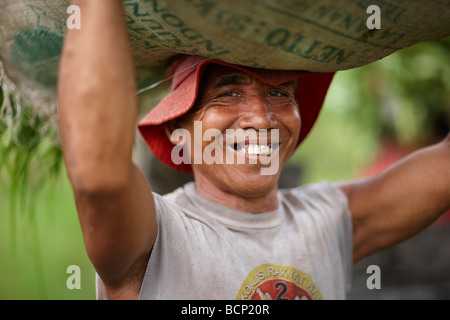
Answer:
(401, 201)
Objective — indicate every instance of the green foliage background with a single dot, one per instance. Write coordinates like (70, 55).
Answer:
(403, 98)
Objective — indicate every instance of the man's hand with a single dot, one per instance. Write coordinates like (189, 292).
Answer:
(401, 201)
(97, 116)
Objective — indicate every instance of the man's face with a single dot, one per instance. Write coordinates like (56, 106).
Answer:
(265, 123)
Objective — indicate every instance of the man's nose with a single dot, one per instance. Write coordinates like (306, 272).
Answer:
(257, 114)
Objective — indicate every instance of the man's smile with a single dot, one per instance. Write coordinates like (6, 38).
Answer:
(265, 149)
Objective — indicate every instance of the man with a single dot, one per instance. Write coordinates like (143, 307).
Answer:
(232, 234)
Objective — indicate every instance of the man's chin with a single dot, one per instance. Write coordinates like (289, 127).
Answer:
(248, 179)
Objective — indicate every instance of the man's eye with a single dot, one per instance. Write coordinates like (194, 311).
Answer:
(276, 93)
(230, 94)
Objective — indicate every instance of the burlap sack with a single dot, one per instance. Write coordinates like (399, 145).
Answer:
(313, 35)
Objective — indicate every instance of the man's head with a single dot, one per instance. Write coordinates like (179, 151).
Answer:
(210, 97)
(240, 131)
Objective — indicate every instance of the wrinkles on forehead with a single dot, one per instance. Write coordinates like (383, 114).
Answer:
(217, 76)
(229, 79)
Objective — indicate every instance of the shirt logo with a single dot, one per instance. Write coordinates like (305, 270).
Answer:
(272, 282)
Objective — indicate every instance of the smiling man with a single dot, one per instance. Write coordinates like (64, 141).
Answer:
(231, 234)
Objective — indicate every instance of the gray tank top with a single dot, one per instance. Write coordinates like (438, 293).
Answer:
(203, 250)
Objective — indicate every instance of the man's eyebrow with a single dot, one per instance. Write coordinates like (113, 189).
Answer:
(288, 84)
(292, 84)
(225, 80)
(230, 79)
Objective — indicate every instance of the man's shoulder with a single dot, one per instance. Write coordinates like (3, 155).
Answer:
(176, 196)
(319, 193)
(309, 189)
(181, 203)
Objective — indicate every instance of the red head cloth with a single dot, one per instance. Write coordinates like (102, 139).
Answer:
(185, 74)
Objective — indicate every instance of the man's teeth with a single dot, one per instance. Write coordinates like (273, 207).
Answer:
(262, 149)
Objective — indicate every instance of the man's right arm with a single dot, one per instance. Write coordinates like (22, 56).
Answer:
(97, 116)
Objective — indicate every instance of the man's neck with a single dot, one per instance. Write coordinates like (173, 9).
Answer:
(249, 202)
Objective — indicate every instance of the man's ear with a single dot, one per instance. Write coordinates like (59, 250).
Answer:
(169, 127)
(175, 132)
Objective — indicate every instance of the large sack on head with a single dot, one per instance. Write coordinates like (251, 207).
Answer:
(313, 35)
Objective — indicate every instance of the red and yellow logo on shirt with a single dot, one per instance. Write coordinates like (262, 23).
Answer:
(272, 282)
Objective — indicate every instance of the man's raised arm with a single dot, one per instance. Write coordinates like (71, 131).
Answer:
(97, 116)
(401, 201)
